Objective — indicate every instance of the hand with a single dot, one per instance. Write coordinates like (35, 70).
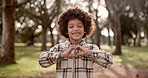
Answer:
(67, 54)
(83, 51)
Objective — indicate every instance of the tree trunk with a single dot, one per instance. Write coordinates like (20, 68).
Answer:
(113, 37)
(139, 38)
(7, 49)
(31, 41)
(115, 20)
(44, 19)
(44, 32)
(134, 41)
(118, 40)
(52, 37)
(98, 36)
(109, 37)
(44, 39)
(117, 43)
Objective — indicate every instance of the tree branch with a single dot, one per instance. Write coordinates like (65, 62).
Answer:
(31, 15)
(22, 3)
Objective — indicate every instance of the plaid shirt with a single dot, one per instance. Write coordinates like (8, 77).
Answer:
(76, 67)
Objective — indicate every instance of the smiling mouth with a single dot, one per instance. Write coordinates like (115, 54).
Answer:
(76, 34)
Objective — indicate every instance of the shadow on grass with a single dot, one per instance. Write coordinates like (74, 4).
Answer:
(26, 63)
(23, 52)
(28, 52)
(2, 64)
(134, 56)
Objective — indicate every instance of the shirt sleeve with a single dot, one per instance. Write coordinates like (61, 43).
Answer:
(101, 57)
(49, 58)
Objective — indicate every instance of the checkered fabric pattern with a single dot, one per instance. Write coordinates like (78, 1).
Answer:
(76, 67)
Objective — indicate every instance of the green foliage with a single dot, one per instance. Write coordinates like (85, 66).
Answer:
(26, 64)
(27, 34)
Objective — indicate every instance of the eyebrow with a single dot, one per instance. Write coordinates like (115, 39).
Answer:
(72, 23)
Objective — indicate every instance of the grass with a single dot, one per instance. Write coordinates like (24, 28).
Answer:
(27, 61)
(131, 56)
(26, 64)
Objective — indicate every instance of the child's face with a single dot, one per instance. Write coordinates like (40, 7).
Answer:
(75, 29)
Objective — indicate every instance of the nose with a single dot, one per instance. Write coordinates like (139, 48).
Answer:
(75, 28)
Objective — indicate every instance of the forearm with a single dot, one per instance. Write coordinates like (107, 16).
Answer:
(102, 58)
(47, 59)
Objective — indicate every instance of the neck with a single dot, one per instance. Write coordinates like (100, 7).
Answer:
(75, 42)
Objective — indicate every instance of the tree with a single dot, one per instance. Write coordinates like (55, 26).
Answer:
(114, 8)
(126, 29)
(27, 34)
(99, 24)
(7, 48)
(39, 13)
(139, 11)
(8, 12)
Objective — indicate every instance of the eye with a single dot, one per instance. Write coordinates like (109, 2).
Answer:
(70, 26)
(80, 26)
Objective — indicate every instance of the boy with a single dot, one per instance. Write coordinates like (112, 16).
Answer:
(74, 58)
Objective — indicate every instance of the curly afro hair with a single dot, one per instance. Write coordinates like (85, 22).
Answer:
(75, 13)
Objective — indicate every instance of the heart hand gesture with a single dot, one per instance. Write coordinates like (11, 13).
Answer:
(83, 52)
(67, 54)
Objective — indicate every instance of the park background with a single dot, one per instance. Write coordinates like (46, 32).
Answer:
(28, 28)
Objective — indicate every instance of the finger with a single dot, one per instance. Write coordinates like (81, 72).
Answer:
(81, 53)
(71, 55)
(79, 47)
(82, 49)
(71, 48)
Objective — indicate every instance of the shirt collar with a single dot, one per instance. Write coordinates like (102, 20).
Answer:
(81, 43)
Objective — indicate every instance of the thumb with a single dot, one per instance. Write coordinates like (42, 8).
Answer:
(81, 53)
(70, 49)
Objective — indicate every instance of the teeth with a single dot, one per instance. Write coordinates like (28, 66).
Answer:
(76, 34)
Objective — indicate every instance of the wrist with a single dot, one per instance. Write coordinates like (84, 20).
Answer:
(62, 55)
(89, 53)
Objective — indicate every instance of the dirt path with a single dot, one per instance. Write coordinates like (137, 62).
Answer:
(115, 71)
